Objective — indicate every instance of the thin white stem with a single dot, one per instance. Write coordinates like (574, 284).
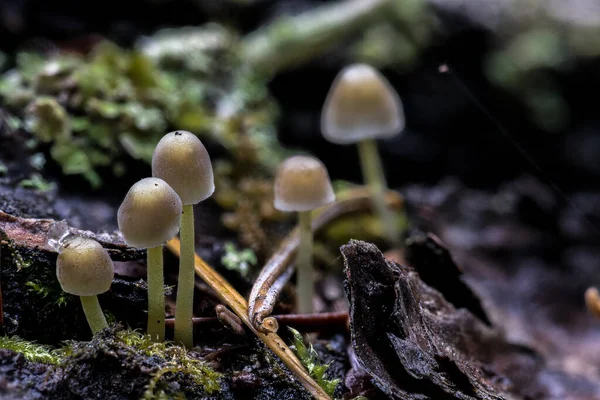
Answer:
(375, 179)
(184, 329)
(156, 294)
(304, 268)
(93, 313)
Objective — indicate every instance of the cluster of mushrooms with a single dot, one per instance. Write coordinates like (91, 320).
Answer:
(361, 107)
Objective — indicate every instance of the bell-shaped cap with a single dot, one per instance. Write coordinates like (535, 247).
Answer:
(361, 104)
(302, 184)
(84, 267)
(181, 160)
(150, 214)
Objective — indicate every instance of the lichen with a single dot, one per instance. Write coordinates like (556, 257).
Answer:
(31, 351)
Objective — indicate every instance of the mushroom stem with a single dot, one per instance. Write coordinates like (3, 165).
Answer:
(93, 313)
(375, 179)
(185, 284)
(304, 268)
(156, 295)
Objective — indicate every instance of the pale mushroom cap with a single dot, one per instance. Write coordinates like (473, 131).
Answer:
(302, 184)
(181, 160)
(84, 267)
(361, 104)
(150, 214)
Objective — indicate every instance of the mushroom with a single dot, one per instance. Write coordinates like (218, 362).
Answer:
(182, 161)
(150, 215)
(362, 106)
(302, 184)
(84, 268)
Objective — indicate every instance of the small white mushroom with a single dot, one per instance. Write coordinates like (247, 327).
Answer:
(149, 216)
(85, 269)
(182, 161)
(360, 108)
(302, 184)
(361, 104)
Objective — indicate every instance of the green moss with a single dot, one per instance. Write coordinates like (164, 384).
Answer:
(178, 361)
(310, 359)
(55, 297)
(238, 260)
(32, 351)
(102, 111)
(37, 182)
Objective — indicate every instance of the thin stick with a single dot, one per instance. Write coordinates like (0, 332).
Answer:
(375, 179)
(318, 322)
(276, 271)
(292, 40)
(304, 266)
(93, 313)
(238, 304)
(156, 295)
(184, 330)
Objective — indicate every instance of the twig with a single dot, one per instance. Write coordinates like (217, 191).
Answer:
(277, 270)
(237, 303)
(321, 322)
(292, 40)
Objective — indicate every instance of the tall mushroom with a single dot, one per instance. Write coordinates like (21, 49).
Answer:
(182, 161)
(362, 106)
(84, 268)
(150, 215)
(302, 184)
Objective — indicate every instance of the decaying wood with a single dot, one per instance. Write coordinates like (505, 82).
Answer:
(32, 233)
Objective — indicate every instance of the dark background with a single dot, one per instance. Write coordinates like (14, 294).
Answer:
(458, 123)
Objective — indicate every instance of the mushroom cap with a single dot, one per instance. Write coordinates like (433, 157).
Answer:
(181, 160)
(302, 184)
(150, 214)
(84, 267)
(361, 104)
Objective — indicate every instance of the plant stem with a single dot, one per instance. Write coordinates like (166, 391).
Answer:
(156, 295)
(304, 268)
(291, 41)
(375, 179)
(93, 313)
(184, 329)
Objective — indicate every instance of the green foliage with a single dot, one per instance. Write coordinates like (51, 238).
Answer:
(37, 182)
(178, 361)
(57, 297)
(101, 111)
(238, 260)
(32, 351)
(310, 359)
